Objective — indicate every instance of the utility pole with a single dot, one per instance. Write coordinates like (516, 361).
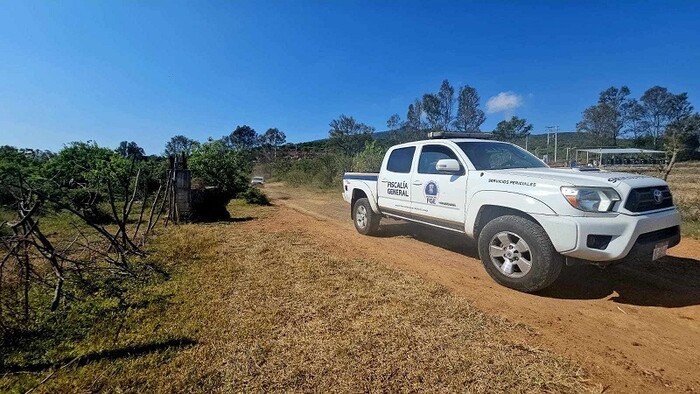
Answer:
(555, 130)
(555, 143)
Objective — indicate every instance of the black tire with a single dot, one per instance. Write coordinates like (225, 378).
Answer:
(369, 222)
(545, 263)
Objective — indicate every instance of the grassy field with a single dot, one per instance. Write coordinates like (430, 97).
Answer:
(685, 184)
(245, 306)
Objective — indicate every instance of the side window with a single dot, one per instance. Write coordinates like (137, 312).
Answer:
(401, 159)
(429, 156)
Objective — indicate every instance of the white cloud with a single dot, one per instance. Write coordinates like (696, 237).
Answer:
(504, 102)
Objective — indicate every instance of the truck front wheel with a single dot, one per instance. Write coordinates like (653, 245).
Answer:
(366, 221)
(517, 253)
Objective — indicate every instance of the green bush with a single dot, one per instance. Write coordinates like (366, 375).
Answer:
(370, 158)
(323, 171)
(221, 166)
(16, 165)
(81, 163)
(255, 196)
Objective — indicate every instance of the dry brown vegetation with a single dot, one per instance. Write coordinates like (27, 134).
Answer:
(254, 308)
(684, 181)
(685, 184)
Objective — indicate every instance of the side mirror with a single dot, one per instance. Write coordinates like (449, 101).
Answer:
(447, 165)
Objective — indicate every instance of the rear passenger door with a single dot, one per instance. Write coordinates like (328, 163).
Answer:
(395, 182)
(437, 197)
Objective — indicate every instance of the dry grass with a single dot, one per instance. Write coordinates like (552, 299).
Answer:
(684, 182)
(254, 308)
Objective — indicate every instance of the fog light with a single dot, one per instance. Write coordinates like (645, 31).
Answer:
(600, 242)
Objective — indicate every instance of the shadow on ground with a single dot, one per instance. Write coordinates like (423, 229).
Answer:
(112, 354)
(239, 220)
(669, 282)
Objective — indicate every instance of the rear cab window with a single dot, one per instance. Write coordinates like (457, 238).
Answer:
(401, 159)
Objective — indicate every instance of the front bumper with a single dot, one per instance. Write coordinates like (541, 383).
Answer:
(631, 236)
(643, 248)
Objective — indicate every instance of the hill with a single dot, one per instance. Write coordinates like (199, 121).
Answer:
(537, 144)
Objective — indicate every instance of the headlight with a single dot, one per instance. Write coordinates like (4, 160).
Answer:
(591, 199)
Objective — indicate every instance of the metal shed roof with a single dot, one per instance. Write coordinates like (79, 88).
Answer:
(620, 151)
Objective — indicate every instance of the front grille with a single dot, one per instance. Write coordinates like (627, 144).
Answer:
(643, 199)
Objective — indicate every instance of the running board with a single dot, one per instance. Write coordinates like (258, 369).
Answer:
(422, 222)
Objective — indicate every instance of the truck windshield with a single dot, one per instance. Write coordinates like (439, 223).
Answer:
(498, 156)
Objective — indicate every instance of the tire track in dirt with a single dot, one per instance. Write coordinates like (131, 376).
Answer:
(633, 327)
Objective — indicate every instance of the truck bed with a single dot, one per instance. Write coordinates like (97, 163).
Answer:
(362, 176)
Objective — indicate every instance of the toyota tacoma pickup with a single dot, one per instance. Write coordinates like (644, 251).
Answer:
(527, 219)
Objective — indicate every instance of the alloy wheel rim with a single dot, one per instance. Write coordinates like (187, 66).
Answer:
(361, 216)
(510, 254)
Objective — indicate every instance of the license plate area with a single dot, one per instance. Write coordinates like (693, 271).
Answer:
(660, 250)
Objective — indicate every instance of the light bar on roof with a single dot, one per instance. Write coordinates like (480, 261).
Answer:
(434, 135)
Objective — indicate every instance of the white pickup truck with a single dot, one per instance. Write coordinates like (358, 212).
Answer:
(528, 219)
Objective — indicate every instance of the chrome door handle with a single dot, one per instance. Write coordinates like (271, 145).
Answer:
(417, 183)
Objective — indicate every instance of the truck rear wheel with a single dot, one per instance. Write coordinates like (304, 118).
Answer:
(517, 253)
(366, 221)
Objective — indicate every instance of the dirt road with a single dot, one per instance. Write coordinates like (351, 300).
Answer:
(633, 327)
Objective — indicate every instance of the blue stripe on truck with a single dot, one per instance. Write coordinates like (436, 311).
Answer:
(362, 177)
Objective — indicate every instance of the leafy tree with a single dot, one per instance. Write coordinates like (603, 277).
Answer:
(681, 140)
(83, 174)
(16, 166)
(618, 100)
(599, 121)
(469, 116)
(180, 144)
(636, 126)
(658, 108)
(431, 107)
(393, 124)
(349, 135)
(446, 96)
(413, 126)
(243, 137)
(78, 163)
(607, 119)
(272, 140)
(508, 130)
(413, 116)
(218, 165)
(130, 150)
(274, 137)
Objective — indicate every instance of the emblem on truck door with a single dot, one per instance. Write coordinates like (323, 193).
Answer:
(431, 192)
(658, 196)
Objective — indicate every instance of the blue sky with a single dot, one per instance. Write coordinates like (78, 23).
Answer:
(147, 70)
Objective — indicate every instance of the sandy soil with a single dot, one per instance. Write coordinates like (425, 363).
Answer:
(634, 328)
